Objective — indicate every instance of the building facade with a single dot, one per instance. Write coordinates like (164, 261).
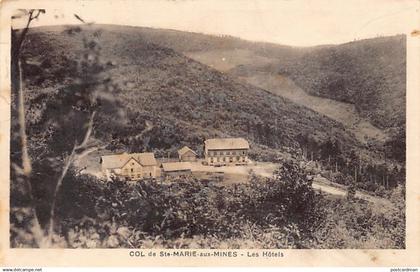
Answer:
(226, 151)
(134, 166)
(186, 154)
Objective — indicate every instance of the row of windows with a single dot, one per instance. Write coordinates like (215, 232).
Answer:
(233, 153)
(225, 159)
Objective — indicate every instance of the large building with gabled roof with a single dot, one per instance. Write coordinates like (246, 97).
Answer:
(226, 151)
(132, 166)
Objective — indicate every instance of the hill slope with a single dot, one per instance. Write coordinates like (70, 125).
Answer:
(183, 100)
(368, 74)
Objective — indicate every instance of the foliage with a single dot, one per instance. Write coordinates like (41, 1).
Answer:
(283, 212)
(353, 166)
(60, 123)
(349, 73)
(395, 147)
(367, 73)
(185, 208)
(155, 81)
(184, 101)
(357, 224)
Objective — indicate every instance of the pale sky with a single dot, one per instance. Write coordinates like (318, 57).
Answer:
(288, 22)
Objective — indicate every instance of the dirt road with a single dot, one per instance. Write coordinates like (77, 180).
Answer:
(266, 169)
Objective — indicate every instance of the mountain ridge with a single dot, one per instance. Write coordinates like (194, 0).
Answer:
(161, 80)
(317, 70)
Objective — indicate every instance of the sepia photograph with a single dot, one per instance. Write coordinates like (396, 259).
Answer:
(202, 125)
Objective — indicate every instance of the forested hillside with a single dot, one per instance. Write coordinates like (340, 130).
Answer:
(179, 101)
(183, 100)
(123, 90)
(368, 73)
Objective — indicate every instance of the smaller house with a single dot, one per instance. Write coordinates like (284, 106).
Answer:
(176, 168)
(186, 154)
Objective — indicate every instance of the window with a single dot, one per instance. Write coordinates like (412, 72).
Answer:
(132, 170)
(224, 159)
(230, 159)
(237, 158)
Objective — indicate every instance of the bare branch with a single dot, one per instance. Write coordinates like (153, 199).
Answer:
(88, 133)
(79, 18)
(22, 36)
(17, 168)
(39, 12)
(68, 162)
(26, 161)
(32, 16)
(90, 150)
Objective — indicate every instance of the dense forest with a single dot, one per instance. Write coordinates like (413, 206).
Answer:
(370, 73)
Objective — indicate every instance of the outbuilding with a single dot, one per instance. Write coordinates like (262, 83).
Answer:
(186, 154)
(176, 168)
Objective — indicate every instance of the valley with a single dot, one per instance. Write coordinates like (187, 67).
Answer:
(232, 61)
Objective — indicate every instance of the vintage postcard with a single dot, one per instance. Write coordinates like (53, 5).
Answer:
(208, 133)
